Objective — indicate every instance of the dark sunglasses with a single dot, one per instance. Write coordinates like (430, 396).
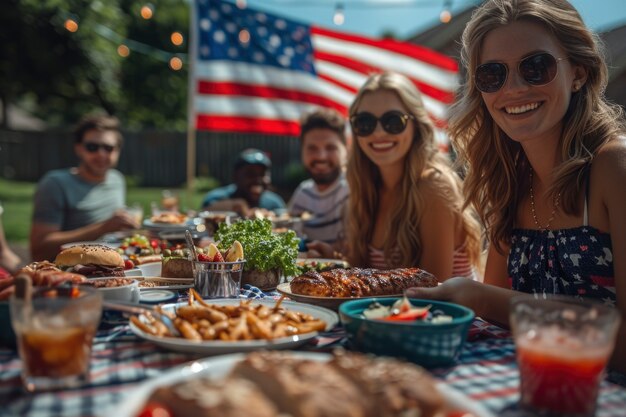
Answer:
(95, 147)
(537, 69)
(393, 122)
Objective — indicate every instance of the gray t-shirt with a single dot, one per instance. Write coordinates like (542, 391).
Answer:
(327, 208)
(66, 200)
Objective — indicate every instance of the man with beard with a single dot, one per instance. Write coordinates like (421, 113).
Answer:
(86, 202)
(324, 196)
(250, 188)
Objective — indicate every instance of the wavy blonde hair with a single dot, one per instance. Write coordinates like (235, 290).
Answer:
(365, 182)
(497, 170)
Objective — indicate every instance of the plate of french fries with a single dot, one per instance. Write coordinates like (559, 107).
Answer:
(220, 326)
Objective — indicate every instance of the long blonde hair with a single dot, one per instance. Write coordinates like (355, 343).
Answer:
(365, 183)
(497, 170)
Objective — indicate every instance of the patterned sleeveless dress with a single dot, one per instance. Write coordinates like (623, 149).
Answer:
(576, 262)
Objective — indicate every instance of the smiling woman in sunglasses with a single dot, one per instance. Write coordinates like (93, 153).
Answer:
(405, 206)
(82, 203)
(546, 160)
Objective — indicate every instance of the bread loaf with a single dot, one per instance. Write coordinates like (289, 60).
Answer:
(358, 282)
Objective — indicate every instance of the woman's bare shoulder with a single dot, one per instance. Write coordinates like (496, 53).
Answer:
(611, 158)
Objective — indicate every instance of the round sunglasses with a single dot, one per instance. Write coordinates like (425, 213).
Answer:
(393, 122)
(537, 69)
(95, 147)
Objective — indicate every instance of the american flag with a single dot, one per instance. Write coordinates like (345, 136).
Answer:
(255, 72)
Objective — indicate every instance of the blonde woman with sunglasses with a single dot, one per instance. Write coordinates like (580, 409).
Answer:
(545, 155)
(405, 205)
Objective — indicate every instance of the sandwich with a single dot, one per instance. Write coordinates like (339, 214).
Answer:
(91, 261)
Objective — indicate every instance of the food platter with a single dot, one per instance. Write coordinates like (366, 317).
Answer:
(219, 366)
(160, 283)
(221, 347)
(321, 264)
(332, 303)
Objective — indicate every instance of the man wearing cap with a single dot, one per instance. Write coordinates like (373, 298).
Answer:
(325, 194)
(250, 188)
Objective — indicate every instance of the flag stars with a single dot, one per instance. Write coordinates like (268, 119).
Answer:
(262, 31)
(275, 41)
(280, 24)
(289, 51)
(232, 52)
(226, 8)
(214, 15)
(205, 51)
(261, 17)
(205, 24)
(285, 61)
(258, 57)
(231, 27)
(219, 36)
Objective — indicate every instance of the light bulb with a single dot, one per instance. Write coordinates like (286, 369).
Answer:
(123, 51)
(445, 16)
(176, 63)
(339, 18)
(71, 25)
(147, 11)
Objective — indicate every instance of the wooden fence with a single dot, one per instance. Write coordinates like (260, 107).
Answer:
(151, 158)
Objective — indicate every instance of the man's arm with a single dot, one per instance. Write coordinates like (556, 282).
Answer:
(46, 239)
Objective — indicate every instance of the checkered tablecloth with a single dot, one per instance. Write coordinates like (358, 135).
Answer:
(485, 371)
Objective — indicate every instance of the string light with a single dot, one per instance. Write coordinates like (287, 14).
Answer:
(177, 38)
(446, 16)
(339, 18)
(242, 4)
(123, 51)
(71, 25)
(147, 11)
(176, 63)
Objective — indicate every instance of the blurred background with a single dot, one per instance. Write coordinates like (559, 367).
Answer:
(62, 59)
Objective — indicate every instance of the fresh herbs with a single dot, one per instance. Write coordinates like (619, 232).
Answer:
(264, 250)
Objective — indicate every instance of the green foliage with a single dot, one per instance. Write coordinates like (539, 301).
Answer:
(263, 249)
(205, 184)
(60, 76)
(295, 174)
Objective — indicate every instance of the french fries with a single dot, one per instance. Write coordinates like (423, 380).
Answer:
(198, 321)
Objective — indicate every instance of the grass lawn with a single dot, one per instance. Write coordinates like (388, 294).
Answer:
(17, 199)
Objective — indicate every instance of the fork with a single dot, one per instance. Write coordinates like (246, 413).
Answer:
(139, 309)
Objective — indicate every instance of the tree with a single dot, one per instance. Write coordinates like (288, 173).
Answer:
(60, 75)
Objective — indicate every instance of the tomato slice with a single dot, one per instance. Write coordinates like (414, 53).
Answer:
(410, 315)
(154, 409)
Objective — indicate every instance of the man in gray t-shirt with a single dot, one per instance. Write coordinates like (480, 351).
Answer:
(82, 203)
(325, 194)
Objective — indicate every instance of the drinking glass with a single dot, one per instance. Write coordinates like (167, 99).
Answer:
(54, 334)
(169, 200)
(136, 212)
(563, 345)
(218, 279)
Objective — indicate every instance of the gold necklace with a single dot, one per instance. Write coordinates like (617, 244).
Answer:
(532, 207)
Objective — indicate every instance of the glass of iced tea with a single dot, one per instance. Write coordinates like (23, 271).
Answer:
(563, 345)
(169, 200)
(55, 333)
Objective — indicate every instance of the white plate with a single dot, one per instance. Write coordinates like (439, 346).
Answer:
(220, 347)
(189, 224)
(153, 296)
(167, 283)
(220, 366)
(332, 303)
(152, 269)
(133, 272)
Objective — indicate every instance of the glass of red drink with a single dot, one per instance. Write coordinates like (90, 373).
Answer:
(55, 333)
(563, 345)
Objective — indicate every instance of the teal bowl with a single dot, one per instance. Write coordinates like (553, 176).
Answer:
(427, 344)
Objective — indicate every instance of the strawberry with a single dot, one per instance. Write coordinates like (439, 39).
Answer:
(202, 257)
(154, 409)
(128, 264)
(218, 257)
